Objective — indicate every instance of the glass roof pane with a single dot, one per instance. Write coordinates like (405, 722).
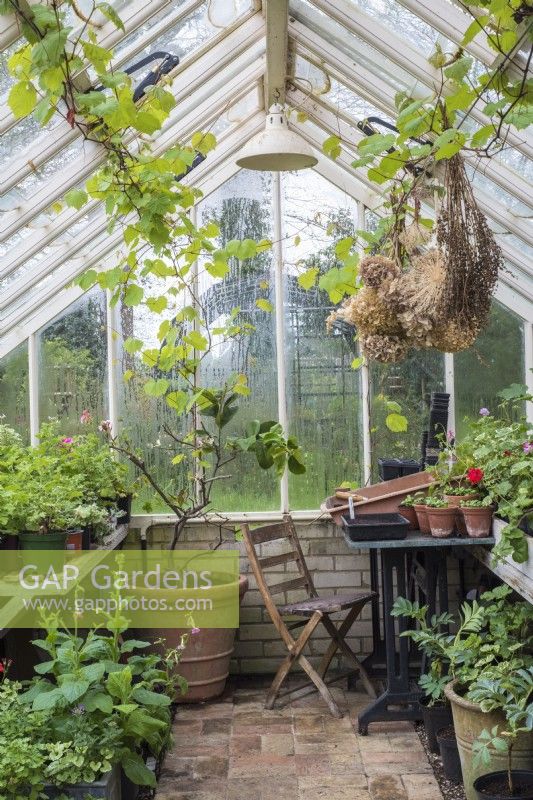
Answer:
(336, 35)
(403, 23)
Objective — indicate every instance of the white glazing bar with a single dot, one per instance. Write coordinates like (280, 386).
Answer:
(528, 357)
(365, 381)
(114, 345)
(33, 386)
(283, 416)
(449, 384)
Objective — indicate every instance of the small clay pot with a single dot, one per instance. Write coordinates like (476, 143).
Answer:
(478, 521)
(410, 514)
(455, 500)
(441, 521)
(422, 518)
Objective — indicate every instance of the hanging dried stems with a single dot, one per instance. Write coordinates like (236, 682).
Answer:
(439, 297)
(472, 256)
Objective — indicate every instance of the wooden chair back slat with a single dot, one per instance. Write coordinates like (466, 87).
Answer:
(269, 533)
(281, 558)
(287, 586)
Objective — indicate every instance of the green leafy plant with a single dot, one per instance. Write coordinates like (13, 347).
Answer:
(112, 684)
(476, 503)
(410, 501)
(436, 502)
(456, 490)
(499, 446)
(513, 695)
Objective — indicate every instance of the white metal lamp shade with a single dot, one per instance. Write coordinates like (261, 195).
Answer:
(276, 149)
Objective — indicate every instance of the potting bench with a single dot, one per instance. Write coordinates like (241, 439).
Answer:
(392, 561)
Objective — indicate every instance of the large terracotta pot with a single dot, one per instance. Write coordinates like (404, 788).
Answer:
(469, 721)
(422, 517)
(206, 659)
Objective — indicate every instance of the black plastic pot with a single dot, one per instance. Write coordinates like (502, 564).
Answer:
(435, 718)
(86, 538)
(124, 504)
(389, 468)
(451, 763)
(495, 785)
(128, 789)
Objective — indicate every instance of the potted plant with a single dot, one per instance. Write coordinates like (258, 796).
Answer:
(421, 513)
(441, 517)
(94, 521)
(503, 645)
(114, 686)
(407, 510)
(512, 694)
(477, 516)
(444, 652)
(455, 494)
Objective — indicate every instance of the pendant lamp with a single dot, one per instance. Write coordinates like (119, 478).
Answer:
(276, 149)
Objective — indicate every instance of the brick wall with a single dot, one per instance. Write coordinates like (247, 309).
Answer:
(334, 568)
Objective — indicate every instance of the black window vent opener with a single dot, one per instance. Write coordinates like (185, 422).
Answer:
(366, 126)
(167, 63)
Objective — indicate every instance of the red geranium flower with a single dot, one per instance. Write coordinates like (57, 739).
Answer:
(507, 453)
(475, 475)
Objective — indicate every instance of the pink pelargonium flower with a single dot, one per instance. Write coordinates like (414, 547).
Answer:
(86, 417)
(528, 448)
(450, 436)
(67, 440)
(484, 412)
(105, 426)
(195, 631)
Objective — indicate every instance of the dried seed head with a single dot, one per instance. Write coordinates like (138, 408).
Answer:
(376, 270)
(385, 349)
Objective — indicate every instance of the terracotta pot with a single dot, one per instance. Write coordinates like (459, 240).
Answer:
(469, 721)
(74, 540)
(455, 500)
(478, 521)
(422, 517)
(441, 521)
(410, 514)
(206, 659)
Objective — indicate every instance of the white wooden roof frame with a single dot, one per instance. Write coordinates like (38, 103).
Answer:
(311, 45)
(344, 161)
(48, 144)
(214, 72)
(401, 53)
(221, 57)
(244, 65)
(206, 113)
(104, 244)
(134, 14)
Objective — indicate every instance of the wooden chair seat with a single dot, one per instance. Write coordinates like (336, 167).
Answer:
(328, 605)
(314, 611)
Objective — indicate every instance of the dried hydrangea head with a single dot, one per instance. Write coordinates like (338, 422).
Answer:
(414, 236)
(376, 270)
(370, 314)
(385, 349)
(453, 336)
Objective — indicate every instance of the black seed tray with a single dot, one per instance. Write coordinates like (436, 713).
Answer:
(371, 527)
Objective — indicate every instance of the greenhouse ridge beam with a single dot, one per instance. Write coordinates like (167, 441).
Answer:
(276, 23)
(222, 56)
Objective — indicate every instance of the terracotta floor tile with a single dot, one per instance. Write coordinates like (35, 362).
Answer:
(280, 744)
(245, 745)
(258, 765)
(386, 787)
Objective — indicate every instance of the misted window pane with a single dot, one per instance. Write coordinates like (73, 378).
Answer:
(242, 209)
(73, 364)
(323, 391)
(409, 384)
(14, 398)
(495, 361)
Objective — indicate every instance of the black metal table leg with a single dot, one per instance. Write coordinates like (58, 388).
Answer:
(398, 691)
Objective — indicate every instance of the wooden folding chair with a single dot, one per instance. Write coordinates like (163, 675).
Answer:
(313, 609)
